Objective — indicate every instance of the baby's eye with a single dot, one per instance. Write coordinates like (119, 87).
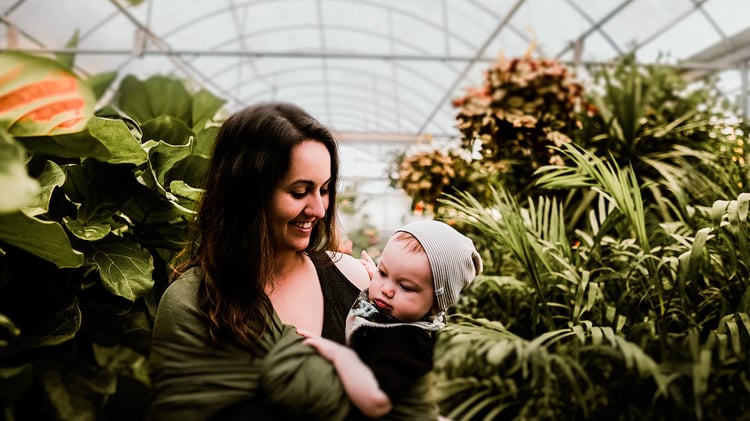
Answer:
(406, 288)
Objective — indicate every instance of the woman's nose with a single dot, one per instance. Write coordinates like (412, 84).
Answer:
(317, 206)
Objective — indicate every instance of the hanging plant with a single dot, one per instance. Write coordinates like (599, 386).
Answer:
(428, 171)
(524, 107)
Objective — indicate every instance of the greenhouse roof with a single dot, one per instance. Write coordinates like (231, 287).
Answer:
(375, 70)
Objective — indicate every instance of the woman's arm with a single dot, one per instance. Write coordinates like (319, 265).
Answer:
(358, 380)
(295, 377)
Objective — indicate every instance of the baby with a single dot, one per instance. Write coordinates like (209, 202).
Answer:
(391, 326)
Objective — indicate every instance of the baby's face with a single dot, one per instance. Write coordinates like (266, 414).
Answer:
(402, 285)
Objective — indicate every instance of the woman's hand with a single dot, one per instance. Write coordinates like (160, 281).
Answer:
(358, 380)
(327, 348)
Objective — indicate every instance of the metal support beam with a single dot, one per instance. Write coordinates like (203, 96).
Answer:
(744, 91)
(687, 65)
(449, 92)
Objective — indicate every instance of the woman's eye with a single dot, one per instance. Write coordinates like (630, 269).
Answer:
(302, 194)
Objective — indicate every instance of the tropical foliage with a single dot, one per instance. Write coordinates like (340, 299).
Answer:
(617, 282)
(633, 320)
(613, 226)
(83, 260)
(684, 143)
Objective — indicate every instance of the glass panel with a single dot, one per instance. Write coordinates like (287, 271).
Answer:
(389, 68)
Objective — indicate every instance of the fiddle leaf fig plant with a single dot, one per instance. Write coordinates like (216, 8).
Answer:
(85, 256)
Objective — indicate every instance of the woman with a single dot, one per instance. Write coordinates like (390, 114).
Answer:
(257, 267)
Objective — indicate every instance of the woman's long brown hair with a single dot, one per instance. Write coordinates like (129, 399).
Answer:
(229, 239)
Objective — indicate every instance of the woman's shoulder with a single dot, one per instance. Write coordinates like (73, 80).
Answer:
(181, 295)
(351, 268)
(186, 284)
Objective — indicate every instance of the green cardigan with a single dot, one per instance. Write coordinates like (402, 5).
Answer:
(192, 378)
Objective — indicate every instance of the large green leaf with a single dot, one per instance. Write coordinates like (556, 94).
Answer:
(205, 107)
(76, 182)
(39, 96)
(112, 112)
(64, 324)
(17, 189)
(182, 189)
(45, 239)
(148, 206)
(157, 96)
(168, 129)
(190, 170)
(122, 360)
(52, 176)
(204, 141)
(162, 158)
(165, 235)
(91, 231)
(125, 267)
(104, 139)
(47, 315)
(106, 186)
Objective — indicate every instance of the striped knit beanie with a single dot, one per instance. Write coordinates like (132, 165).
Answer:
(454, 261)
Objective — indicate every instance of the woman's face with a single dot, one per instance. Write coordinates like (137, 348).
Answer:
(301, 198)
(402, 285)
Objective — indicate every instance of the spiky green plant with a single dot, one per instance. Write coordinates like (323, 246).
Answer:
(625, 318)
(683, 142)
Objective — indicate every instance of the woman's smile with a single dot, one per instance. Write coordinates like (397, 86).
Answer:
(303, 225)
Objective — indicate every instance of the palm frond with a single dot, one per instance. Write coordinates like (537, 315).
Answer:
(547, 221)
(505, 223)
(632, 354)
(628, 101)
(618, 185)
